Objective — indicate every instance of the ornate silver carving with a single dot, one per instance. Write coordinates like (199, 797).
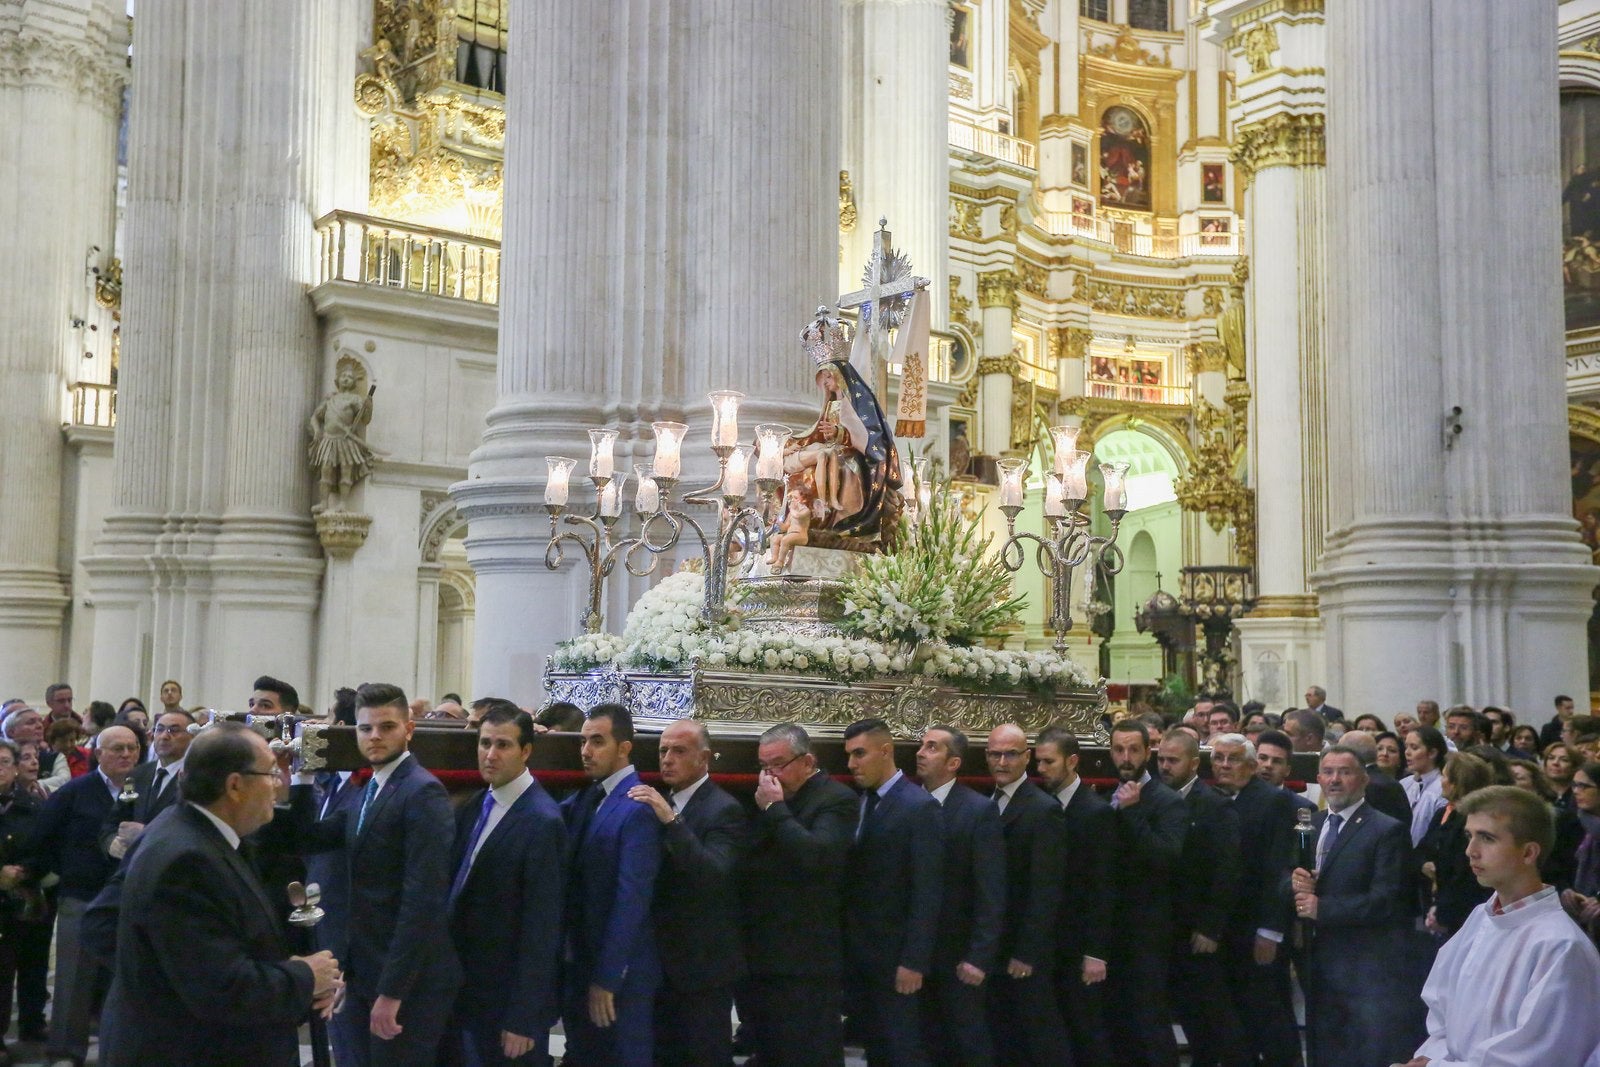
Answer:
(313, 746)
(790, 604)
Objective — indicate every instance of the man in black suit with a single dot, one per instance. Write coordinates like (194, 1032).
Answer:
(155, 781)
(1209, 867)
(336, 792)
(1260, 914)
(1083, 925)
(696, 910)
(790, 884)
(1550, 733)
(66, 842)
(1151, 822)
(1317, 701)
(194, 913)
(892, 889)
(1022, 1004)
(1383, 791)
(1363, 1006)
(509, 861)
(402, 971)
(972, 911)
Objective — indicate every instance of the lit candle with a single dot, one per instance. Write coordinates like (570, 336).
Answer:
(1066, 442)
(1075, 478)
(725, 418)
(737, 480)
(647, 501)
(1116, 476)
(669, 442)
(559, 468)
(770, 441)
(611, 498)
(1011, 471)
(1053, 507)
(602, 462)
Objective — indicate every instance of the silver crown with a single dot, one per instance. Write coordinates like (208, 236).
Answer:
(825, 339)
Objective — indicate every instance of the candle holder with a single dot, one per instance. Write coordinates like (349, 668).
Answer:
(1067, 543)
(600, 551)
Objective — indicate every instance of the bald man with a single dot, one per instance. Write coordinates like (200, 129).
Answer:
(1383, 791)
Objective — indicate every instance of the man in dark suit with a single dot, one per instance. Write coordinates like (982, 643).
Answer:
(1317, 701)
(66, 842)
(972, 911)
(155, 781)
(696, 914)
(402, 972)
(1363, 1006)
(1151, 822)
(1023, 1013)
(1209, 867)
(1083, 924)
(194, 914)
(509, 860)
(892, 889)
(615, 845)
(1384, 792)
(789, 898)
(336, 792)
(1260, 914)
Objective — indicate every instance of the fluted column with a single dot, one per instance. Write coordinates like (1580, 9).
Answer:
(208, 569)
(896, 134)
(61, 77)
(1280, 156)
(1453, 570)
(997, 296)
(665, 234)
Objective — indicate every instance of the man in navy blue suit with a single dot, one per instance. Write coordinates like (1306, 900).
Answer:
(892, 891)
(696, 914)
(973, 910)
(402, 973)
(615, 848)
(510, 864)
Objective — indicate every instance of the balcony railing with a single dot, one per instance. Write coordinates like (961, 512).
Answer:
(987, 142)
(1142, 394)
(94, 404)
(1122, 238)
(397, 255)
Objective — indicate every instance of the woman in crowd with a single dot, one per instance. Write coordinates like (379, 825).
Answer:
(133, 713)
(1370, 723)
(25, 912)
(100, 716)
(28, 772)
(1527, 775)
(65, 739)
(1559, 767)
(1449, 888)
(1425, 752)
(1391, 760)
(1582, 899)
(1524, 743)
(1404, 723)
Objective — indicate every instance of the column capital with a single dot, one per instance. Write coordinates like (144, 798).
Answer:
(997, 288)
(1281, 140)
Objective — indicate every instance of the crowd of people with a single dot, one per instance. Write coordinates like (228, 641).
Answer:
(1433, 893)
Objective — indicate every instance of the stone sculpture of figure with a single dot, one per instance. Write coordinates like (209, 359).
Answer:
(796, 532)
(339, 449)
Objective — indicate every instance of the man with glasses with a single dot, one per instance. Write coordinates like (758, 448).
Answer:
(790, 896)
(193, 911)
(66, 842)
(1022, 1004)
(156, 783)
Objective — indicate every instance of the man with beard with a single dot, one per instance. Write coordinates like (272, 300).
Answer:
(1151, 823)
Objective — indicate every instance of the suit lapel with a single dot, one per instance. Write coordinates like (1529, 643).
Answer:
(385, 791)
(1346, 832)
(236, 863)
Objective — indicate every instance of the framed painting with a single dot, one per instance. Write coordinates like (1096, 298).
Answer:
(1213, 183)
(1080, 164)
(1124, 159)
(961, 26)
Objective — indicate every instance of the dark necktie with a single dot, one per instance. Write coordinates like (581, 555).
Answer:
(866, 812)
(367, 796)
(160, 780)
(1334, 819)
(472, 843)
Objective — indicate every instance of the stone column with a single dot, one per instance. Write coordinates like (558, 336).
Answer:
(208, 569)
(997, 296)
(61, 78)
(664, 235)
(896, 134)
(1453, 570)
(1280, 157)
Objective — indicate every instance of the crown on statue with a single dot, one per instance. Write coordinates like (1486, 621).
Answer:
(826, 339)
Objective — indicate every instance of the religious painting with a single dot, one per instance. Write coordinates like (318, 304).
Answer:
(1082, 212)
(1214, 232)
(960, 447)
(961, 36)
(1585, 455)
(1080, 164)
(1124, 159)
(1213, 183)
(1580, 208)
(1127, 377)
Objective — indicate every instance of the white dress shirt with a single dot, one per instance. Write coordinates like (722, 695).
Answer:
(942, 793)
(680, 797)
(504, 796)
(228, 832)
(1004, 793)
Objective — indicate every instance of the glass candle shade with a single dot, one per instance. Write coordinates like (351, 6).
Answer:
(558, 471)
(602, 457)
(669, 449)
(724, 418)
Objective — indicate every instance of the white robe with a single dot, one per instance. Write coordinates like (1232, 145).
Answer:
(1514, 990)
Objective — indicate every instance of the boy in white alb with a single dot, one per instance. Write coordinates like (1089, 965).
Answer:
(1518, 983)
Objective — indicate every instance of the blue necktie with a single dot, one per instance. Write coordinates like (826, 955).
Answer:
(1334, 819)
(472, 843)
(366, 801)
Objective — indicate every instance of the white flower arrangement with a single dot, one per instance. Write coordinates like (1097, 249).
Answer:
(664, 633)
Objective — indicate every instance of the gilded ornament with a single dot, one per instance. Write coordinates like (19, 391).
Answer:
(1008, 220)
(960, 86)
(960, 305)
(1008, 365)
(1280, 140)
(847, 203)
(108, 287)
(1258, 44)
(1031, 278)
(1127, 48)
(1207, 357)
(1135, 300)
(966, 219)
(997, 288)
(1211, 301)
